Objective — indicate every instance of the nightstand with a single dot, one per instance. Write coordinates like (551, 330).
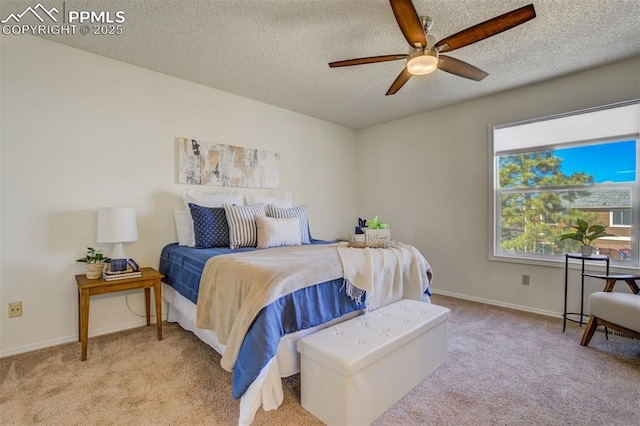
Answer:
(87, 288)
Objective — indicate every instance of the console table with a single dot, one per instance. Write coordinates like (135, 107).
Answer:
(578, 256)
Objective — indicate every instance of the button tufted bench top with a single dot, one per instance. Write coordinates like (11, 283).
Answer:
(349, 346)
(354, 371)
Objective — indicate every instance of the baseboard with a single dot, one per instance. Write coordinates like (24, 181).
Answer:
(613, 332)
(142, 322)
(68, 339)
(498, 303)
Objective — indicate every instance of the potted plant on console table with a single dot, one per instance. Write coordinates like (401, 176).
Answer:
(586, 234)
(94, 262)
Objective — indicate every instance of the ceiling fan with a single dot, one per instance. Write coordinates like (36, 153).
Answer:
(424, 54)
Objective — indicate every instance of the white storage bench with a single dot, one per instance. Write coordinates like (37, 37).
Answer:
(356, 370)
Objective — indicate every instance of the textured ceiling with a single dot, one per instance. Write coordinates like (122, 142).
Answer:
(276, 51)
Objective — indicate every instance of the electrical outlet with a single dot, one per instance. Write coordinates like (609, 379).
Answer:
(15, 309)
(525, 279)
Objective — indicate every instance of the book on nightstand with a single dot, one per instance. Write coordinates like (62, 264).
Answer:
(120, 275)
(107, 277)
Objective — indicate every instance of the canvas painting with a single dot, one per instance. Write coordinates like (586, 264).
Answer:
(206, 163)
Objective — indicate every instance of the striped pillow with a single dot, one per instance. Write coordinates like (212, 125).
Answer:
(300, 211)
(242, 224)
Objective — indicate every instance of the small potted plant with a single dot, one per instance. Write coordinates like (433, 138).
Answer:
(377, 231)
(586, 234)
(94, 262)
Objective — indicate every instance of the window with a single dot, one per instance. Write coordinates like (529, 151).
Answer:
(620, 218)
(549, 172)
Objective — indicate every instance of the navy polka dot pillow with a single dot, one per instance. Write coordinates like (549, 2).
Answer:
(210, 227)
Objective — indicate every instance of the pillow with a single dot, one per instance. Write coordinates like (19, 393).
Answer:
(283, 200)
(300, 211)
(273, 232)
(184, 227)
(213, 199)
(242, 224)
(206, 200)
(210, 228)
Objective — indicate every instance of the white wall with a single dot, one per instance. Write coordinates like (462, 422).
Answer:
(80, 131)
(429, 176)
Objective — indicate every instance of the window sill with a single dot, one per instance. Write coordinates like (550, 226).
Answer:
(559, 262)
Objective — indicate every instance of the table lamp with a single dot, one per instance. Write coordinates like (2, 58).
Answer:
(117, 225)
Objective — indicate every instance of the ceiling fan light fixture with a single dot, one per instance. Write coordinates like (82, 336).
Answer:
(424, 53)
(422, 61)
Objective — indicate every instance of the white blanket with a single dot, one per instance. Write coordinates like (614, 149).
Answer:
(386, 275)
(234, 288)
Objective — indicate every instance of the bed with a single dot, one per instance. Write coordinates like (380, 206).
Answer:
(254, 318)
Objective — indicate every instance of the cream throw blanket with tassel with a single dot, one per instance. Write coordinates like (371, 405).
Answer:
(234, 288)
(386, 275)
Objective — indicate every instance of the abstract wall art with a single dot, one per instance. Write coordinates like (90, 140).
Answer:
(207, 163)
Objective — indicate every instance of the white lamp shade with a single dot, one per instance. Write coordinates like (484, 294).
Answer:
(117, 225)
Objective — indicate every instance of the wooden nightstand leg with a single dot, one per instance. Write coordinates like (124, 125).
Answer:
(157, 288)
(79, 319)
(84, 321)
(147, 304)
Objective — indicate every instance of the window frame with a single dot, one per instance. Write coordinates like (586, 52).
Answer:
(495, 252)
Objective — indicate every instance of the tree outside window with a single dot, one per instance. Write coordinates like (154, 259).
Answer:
(550, 172)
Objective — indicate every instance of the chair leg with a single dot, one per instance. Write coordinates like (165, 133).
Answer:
(633, 286)
(608, 287)
(592, 325)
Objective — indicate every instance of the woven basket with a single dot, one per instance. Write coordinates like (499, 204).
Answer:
(94, 270)
(371, 244)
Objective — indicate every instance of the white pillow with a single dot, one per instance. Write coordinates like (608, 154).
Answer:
(274, 232)
(184, 227)
(299, 211)
(211, 199)
(278, 200)
(242, 224)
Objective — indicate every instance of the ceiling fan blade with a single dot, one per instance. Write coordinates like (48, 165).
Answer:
(409, 22)
(487, 29)
(461, 68)
(402, 78)
(369, 60)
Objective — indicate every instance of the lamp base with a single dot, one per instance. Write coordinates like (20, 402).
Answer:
(118, 252)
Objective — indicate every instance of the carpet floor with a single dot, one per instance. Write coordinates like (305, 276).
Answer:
(505, 367)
